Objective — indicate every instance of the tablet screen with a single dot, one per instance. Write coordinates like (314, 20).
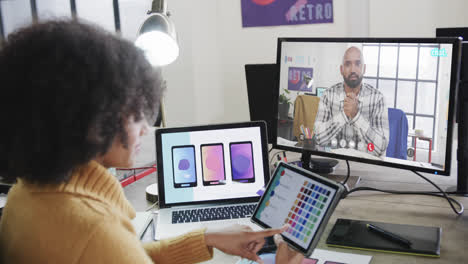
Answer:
(300, 199)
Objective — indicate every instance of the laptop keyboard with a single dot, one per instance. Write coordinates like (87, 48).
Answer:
(212, 214)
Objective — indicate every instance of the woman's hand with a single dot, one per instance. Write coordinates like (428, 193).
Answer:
(240, 240)
(285, 254)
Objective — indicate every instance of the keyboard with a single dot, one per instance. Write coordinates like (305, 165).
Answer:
(213, 213)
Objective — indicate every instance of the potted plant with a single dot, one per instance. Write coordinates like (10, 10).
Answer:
(283, 104)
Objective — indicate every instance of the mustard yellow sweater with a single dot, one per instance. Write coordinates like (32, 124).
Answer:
(86, 220)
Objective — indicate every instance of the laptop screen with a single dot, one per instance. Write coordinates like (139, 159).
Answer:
(214, 163)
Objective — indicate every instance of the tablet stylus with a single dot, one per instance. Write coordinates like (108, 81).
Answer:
(388, 235)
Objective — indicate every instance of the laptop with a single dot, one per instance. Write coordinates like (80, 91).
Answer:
(210, 175)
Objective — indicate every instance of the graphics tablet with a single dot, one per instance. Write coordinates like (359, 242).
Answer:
(302, 199)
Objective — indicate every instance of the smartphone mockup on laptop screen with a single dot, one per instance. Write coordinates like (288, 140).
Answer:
(209, 175)
(183, 158)
(213, 169)
(302, 199)
(241, 158)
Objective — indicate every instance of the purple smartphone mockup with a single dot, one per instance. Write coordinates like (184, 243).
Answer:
(242, 165)
(212, 156)
(183, 166)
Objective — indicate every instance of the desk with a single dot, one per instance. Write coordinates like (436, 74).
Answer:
(403, 209)
(413, 210)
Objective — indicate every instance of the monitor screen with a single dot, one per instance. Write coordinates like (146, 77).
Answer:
(261, 88)
(382, 101)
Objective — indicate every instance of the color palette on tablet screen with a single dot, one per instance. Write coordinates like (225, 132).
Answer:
(307, 211)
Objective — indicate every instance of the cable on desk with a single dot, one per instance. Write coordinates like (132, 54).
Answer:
(274, 156)
(436, 194)
(346, 191)
(440, 194)
(348, 174)
(443, 194)
(151, 206)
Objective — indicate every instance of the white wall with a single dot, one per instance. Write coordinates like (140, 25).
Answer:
(100, 12)
(415, 18)
(53, 8)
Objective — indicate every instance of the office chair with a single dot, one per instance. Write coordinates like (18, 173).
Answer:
(398, 128)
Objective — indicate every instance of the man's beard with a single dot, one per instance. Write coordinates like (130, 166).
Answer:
(353, 83)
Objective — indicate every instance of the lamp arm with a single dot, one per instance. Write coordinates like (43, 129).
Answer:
(158, 6)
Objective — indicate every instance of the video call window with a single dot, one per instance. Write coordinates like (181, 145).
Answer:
(407, 75)
(382, 101)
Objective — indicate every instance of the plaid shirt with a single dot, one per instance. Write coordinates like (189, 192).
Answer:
(370, 125)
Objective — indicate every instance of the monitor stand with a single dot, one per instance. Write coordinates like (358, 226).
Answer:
(324, 167)
(321, 166)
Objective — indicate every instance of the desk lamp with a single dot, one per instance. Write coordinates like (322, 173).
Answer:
(158, 39)
(157, 36)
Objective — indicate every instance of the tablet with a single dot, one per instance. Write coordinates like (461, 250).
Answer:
(302, 199)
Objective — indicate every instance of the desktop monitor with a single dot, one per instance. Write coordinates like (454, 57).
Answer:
(262, 84)
(381, 101)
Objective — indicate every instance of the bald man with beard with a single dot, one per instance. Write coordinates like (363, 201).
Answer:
(353, 111)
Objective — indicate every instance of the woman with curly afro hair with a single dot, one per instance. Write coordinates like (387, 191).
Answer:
(75, 101)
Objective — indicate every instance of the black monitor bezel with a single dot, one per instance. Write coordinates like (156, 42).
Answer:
(160, 168)
(253, 73)
(454, 80)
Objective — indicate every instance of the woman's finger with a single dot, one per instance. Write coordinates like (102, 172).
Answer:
(251, 245)
(278, 239)
(258, 246)
(269, 232)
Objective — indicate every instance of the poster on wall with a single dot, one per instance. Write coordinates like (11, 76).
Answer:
(300, 79)
(259, 13)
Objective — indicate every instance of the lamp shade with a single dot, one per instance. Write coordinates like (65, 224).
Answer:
(157, 38)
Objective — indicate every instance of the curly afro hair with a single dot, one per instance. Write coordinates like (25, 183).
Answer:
(68, 89)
